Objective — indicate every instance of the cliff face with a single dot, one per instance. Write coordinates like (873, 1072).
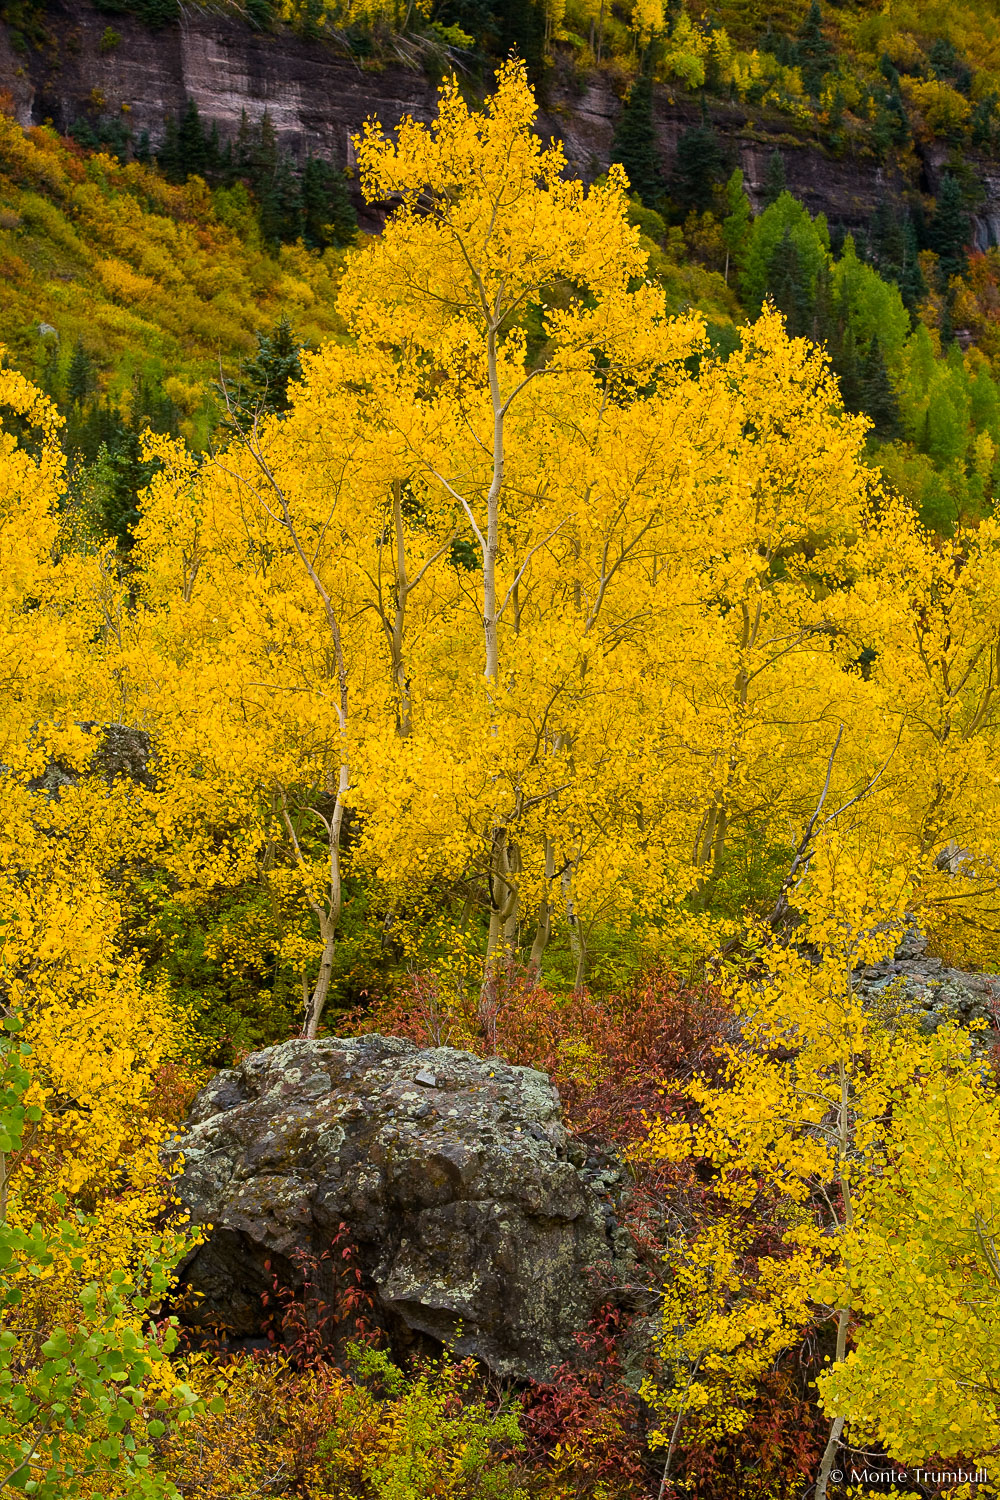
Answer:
(316, 99)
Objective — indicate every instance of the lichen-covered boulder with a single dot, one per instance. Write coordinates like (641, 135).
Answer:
(931, 991)
(477, 1219)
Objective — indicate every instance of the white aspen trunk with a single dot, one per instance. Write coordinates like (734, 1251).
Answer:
(512, 903)
(330, 919)
(327, 913)
(490, 550)
(503, 894)
(543, 929)
(399, 674)
(843, 1313)
(577, 944)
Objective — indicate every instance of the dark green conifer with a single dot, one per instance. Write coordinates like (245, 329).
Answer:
(949, 229)
(847, 366)
(328, 216)
(774, 179)
(264, 380)
(192, 146)
(522, 31)
(261, 14)
(125, 474)
(877, 397)
(168, 156)
(79, 376)
(634, 143)
(815, 53)
(788, 288)
(699, 168)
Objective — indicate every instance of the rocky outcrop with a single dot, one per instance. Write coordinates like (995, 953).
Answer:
(120, 753)
(317, 98)
(927, 988)
(477, 1220)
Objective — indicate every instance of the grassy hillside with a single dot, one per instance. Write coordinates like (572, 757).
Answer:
(126, 295)
(155, 283)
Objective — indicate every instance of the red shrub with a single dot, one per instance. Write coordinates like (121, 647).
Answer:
(611, 1057)
(585, 1423)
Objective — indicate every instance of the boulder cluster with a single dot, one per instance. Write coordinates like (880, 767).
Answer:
(478, 1221)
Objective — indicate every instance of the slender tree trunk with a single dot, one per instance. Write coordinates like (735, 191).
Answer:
(492, 547)
(543, 929)
(400, 676)
(329, 917)
(511, 906)
(843, 1313)
(577, 942)
(503, 894)
(321, 989)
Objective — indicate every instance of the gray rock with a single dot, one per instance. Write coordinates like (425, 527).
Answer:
(119, 752)
(923, 987)
(476, 1219)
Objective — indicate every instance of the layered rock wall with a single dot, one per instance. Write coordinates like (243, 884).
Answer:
(316, 98)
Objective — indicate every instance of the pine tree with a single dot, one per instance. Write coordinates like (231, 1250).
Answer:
(124, 473)
(949, 229)
(192, 147)
(774, 179)
(328, 216)
(265, 379)
(522, 30)
(261, 14)
(815, 53)
(168, 156)
(825, 329)
(79, 376)
(877, 397)
(847, 367)
(261, 154)
(281, 216)
(886, 240)
(787, 287)
(698, 168)
(634, 143)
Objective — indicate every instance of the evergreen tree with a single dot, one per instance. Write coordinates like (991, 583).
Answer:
(79, 376)
(192, 147)
(893, 252)
(774, 179)
(169, 156)
(788, 287)
(280, 198)
(634, 143)
(265, 379)
(825, 328)
(522, 30)
(260, 161)
(699, 167)
(815, 54)
(261, 14)
(877, 397)
(947, 65)
(847, 366)
(886, 241)
(949, 229)
(328, 216)
(124, 473)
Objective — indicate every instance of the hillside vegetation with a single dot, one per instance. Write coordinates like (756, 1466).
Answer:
(565, 625)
